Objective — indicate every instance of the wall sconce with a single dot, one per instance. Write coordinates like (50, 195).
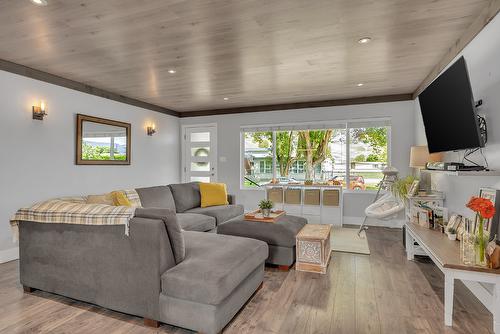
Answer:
(39, 112)
(151, 130)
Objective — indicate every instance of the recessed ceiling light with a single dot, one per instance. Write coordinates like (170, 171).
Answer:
(39, 2)
(172, 71)
(364, 40)
(226, 98)
(360, 84)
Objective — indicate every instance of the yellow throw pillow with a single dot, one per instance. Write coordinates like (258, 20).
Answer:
(213, 194)
(120, 199)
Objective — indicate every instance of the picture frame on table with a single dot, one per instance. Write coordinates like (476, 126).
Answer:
(454, 222)
(423, 217)
(494, 196)
(412, 191)
(440, 215)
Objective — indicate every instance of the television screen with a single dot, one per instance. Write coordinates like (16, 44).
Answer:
(448, 111)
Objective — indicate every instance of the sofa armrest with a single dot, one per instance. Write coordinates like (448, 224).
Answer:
(98, 264)
(231, 199)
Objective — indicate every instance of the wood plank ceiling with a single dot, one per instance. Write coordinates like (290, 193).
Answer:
(252, 52)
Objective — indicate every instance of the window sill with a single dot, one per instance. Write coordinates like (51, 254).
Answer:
(253, 189)
(344, 191)
(368, 191)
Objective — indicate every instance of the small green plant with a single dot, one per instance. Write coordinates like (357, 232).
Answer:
(400, 187)
(266, 204)
(452, 230)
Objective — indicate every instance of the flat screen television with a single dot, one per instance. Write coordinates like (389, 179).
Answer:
(448, 111)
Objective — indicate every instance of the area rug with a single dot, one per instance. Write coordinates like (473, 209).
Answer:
(344, 239)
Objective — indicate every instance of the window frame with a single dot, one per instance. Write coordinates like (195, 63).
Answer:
(349, 124)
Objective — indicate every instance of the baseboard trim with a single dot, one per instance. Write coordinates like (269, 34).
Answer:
(392, 223)
(10, 254)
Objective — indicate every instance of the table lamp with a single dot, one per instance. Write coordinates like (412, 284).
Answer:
(419, 157)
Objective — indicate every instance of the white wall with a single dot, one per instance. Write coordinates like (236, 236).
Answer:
(482, 56)
(37, 158)
(401, 114)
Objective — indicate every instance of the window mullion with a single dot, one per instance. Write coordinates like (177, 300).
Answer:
(274, 155)
(348, 158)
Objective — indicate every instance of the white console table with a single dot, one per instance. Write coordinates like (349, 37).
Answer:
(446, 255)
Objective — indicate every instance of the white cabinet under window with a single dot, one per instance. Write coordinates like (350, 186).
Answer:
(318, 204)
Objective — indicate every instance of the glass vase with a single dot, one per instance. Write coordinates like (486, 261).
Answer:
(467, 249)
(481, 241)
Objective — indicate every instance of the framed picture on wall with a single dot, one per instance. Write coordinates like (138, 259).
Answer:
(494, 196)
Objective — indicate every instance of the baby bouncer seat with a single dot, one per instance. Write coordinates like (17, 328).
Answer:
(386, 206)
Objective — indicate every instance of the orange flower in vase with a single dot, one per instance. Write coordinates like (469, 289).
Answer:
(484, 209)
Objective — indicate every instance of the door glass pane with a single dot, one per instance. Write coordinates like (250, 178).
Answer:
(200, 151)
(200, 166)
(205, 179)
(200, 136)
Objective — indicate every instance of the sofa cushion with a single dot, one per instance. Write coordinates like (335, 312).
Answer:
(186, 195)
(195, 222)
(156, 197)
(214, 266)
(221, 213)
(174, 231)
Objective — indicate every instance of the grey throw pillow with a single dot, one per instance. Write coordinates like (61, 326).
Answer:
(156, 197)
(174, 230)
(186, 195)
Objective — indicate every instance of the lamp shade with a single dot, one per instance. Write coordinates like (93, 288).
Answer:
(419, 156)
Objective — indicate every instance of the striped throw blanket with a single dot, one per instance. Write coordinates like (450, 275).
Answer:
(75, 210)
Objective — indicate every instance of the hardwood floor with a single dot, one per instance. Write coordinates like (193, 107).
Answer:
(377, 293)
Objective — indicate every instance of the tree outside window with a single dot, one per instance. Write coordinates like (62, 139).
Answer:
(368, 152)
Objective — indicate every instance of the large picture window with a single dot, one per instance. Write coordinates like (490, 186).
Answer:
(349, 155)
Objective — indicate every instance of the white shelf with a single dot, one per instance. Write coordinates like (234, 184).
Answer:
(463, 173)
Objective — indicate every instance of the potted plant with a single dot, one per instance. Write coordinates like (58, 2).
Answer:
(452, 233)
(400, 187)
(265, 207)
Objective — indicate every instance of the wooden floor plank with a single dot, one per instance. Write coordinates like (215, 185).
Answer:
(377, 293)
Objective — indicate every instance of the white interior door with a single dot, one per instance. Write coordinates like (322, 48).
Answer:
(200, 154)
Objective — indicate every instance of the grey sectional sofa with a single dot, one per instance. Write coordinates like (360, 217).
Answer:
(186, 278)
(185, 199)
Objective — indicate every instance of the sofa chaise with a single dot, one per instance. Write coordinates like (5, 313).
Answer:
(144, 274)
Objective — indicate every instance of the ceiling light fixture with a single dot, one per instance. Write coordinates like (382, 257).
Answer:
(39, 2)
(226, 98)
(360, 84)
(364, 40)
(171, 71)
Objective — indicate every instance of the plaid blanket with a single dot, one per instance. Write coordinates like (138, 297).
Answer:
(133, 197)
(74, 210)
